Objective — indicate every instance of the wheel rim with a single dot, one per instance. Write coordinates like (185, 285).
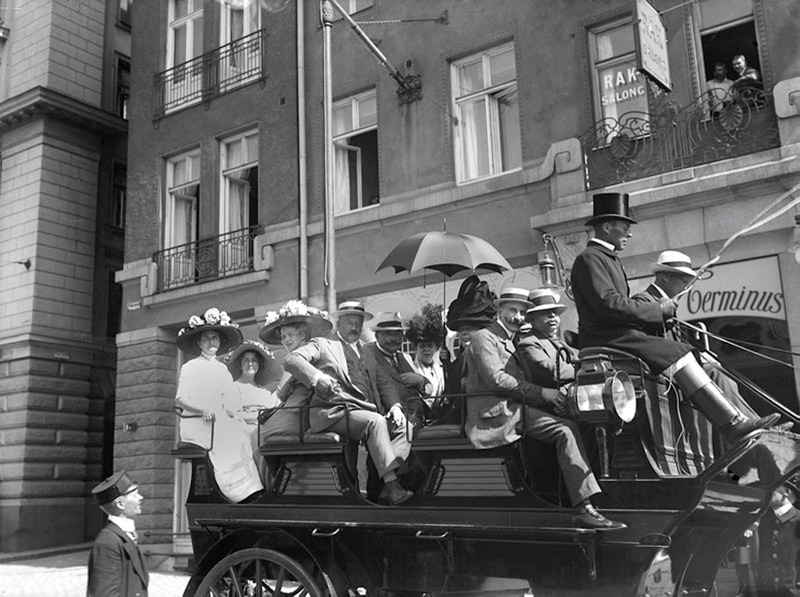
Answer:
(258, 573)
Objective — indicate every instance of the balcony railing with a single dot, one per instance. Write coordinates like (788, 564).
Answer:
(638, 145)
(206, 260)
(227, 67)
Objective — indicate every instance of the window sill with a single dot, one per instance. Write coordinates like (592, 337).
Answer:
(489, 177)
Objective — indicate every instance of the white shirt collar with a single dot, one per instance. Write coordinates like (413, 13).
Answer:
(353, 345)
(603, 243)
(502, 325)
(126, 524)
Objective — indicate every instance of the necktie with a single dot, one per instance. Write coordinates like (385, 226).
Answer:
(395, 362)
(134, 537)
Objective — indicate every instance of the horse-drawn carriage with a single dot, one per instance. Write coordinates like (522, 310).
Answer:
(496, 521)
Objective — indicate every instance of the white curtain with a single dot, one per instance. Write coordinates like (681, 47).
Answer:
(474, 139)
(341, 170)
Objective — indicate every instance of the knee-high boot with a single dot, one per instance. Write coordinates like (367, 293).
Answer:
(709, 400)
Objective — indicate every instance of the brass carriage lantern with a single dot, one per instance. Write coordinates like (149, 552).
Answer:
(601, 394)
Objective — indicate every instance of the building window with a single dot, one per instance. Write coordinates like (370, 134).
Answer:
(727, 30)
(119, 194)
(239, 205)
(355, 140)
(238, 20)
(113, 305)
(180, 219)
(185, 39)
(354, 6)
(124, 13)
(620, 91)
(486, 110)
(123, 87)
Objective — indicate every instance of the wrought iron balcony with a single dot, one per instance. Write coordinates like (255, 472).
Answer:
(220, 71)
(206, 260)
(637, 144)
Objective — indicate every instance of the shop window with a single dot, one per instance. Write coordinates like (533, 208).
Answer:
(619, 90)
(486, 114)
(727, 30)
(355, 140)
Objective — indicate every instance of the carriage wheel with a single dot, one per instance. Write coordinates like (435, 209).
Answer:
(258, 572)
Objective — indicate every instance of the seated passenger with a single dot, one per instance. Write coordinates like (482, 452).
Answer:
(343, 402)
(495, 418)
(253, 368)
(426, 331)
(547, 360)
(291, 326)
(205, 393)
(609, 317)
(392, 374)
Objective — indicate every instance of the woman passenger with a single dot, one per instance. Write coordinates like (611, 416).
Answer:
(205, 394)
(254, 369)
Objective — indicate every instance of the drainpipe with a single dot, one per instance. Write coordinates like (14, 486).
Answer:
(302, 157)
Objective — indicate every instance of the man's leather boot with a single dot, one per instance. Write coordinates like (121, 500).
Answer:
(709, 400)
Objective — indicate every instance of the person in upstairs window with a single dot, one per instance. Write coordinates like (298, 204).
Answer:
(719, 88)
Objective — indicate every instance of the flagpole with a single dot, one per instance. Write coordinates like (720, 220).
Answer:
(326, 16)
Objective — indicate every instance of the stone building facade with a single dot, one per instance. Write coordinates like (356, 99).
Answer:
(63, 94)
(525, 112)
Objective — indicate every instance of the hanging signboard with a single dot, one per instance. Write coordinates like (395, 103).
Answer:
(651, 44)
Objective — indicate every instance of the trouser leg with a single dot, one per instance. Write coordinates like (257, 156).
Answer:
(578, 476)
(371, 427)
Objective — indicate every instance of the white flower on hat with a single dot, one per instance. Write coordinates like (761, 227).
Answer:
(224, 318)
(212, 316)
(194, 321)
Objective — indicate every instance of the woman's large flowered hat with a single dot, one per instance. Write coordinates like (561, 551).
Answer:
(318, 321)
(213, 320)
(269, 368)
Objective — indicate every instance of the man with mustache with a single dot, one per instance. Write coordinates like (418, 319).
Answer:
(494, 414)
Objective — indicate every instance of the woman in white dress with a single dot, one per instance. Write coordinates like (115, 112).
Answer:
(253, 369)
(205, 394)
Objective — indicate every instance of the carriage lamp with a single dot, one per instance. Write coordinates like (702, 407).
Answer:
(547, 269)
(601, 394)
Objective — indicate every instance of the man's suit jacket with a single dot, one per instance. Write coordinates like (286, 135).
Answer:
(607, 316)
(116, 566)
(323, 355)
(494, 372)
(542, 361)
(387, 386)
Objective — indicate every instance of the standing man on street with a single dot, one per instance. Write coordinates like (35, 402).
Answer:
(607, 316)
(116, 566)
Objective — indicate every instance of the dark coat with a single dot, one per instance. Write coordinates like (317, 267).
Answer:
(543, 361)
(116, 566)
(387, 384)
(607, 316)
(777, 545)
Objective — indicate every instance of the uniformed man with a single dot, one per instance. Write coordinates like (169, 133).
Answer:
(116, 566)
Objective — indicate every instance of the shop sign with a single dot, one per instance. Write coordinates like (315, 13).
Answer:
(622, 84)
(651, 44)
(743, 289)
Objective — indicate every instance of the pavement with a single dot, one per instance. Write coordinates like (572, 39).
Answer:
(62, 573)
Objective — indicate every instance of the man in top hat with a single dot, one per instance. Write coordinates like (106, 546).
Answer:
(494, 416)
(546, 359)
(116, 566)
(608, 316)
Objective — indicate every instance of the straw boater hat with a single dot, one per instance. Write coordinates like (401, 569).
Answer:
(387, 321)
(474, 305)
(673, 262)
(610, 205)
(269, 369)
(213, 320)
(513, 295)
(544, 299)
(352, 308)
(319, 324)
(113, 487)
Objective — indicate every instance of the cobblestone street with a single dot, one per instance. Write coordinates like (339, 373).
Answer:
(64, 575)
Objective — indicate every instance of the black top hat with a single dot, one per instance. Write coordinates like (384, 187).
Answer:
(112, 487)
(610, 206)
(474, 305)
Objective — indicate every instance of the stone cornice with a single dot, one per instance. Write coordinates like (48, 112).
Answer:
(39, 102)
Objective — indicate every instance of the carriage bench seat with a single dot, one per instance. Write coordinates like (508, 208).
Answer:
(187, 451)
(437, 436)
(291, 443)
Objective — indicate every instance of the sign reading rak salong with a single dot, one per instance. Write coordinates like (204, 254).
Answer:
(651, 44)
(743, 289)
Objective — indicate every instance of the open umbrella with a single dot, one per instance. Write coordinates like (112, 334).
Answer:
(446, 252)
